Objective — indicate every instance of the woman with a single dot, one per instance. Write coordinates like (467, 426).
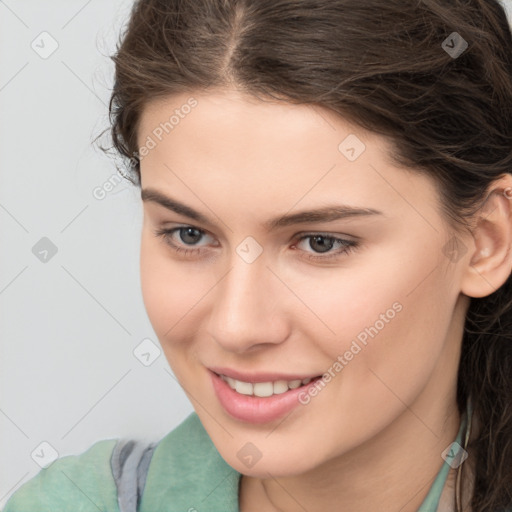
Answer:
(326, 257)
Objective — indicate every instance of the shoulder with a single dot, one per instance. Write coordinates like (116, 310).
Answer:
(182, 469)
(84, 481)
(187, 472)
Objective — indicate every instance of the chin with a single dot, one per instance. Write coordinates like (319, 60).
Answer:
(286, 463)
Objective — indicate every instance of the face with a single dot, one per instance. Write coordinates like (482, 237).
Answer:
(240, 284)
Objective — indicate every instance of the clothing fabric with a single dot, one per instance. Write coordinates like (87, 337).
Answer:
(130, 464)
(183, 472)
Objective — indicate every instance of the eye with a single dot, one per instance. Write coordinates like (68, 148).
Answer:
(321, 244)
(187, 235)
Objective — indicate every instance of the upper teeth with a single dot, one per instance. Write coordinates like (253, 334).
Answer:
(263, 389)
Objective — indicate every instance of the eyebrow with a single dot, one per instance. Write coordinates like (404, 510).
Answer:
(325, 214)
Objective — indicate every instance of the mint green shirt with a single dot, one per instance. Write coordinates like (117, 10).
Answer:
(186, 474)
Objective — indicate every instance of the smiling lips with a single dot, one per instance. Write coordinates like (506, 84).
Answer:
(261, 384)
(263, 389)
(261, 398)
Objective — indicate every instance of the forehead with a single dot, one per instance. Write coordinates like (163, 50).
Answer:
(240, 115)
(280, 151)
(233, 126)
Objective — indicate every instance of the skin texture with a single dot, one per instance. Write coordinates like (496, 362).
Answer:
(372, 439)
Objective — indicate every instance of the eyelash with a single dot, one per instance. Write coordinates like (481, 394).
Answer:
(349, 245)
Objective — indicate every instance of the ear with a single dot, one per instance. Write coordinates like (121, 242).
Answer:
(490, 263)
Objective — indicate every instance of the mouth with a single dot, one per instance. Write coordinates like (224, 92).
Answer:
(265, 389)
(259, 402)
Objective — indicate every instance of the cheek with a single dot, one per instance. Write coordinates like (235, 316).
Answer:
(393, 318)
(169, 292)
(352, 303)
(401, 345)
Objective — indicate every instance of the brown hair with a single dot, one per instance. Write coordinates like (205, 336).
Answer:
(383, 66)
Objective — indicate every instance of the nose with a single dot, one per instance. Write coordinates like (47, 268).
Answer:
(248, 307)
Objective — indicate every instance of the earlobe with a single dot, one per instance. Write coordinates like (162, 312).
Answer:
(490, 264)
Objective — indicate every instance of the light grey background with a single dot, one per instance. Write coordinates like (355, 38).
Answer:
(69, 325)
